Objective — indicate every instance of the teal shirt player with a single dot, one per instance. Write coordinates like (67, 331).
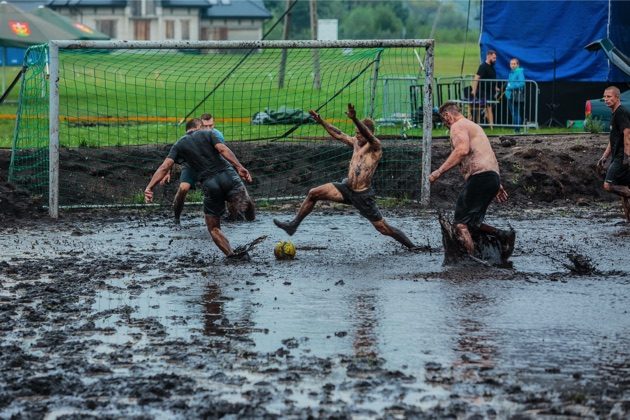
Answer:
(516, 80)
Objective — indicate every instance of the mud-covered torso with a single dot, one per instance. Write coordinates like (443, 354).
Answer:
(363, 164)
(481, 157)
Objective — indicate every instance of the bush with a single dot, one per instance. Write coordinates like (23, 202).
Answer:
(593, 125)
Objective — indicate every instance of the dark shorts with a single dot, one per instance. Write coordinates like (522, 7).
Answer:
(474, 199)
(364, 201)
(188, 175)
(219, 188)
(618, 174)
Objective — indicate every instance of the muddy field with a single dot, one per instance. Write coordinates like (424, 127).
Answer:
(125, 316)
(119, 314)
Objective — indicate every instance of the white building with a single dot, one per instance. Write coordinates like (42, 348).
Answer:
(157, 20)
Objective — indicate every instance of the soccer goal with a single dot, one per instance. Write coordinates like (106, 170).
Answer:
(96, 117)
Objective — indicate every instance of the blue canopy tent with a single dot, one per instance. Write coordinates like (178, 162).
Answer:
(548, 37)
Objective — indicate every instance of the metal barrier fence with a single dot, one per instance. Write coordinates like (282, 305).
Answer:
(489, 107)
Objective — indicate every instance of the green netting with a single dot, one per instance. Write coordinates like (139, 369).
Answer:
(120, 110)
(29, 160)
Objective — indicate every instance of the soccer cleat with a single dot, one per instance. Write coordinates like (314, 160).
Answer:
(239, 256)
(289, 227)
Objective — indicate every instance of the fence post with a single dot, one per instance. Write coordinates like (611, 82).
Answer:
(427, 127)
(53, 132)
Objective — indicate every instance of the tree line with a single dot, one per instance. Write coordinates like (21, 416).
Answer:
(444, 21)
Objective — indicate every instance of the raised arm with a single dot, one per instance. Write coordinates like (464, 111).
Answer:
(231, 157)
(461, 147)
(332, 130)
(160, 173)
(365, 132)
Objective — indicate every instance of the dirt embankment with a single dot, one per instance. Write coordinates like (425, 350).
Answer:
(536, 171)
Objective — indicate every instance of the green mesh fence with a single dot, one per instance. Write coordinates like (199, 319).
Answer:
(121, 110)
(29, 160)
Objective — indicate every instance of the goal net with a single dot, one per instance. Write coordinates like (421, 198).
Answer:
(95, 119)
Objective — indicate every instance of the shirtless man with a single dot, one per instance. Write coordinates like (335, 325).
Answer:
(471, 150)
(618, 174)
(356, 189)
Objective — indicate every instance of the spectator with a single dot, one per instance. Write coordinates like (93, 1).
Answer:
(515, 93)
(483, 92)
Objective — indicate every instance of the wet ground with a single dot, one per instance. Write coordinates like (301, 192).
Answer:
(126, 316)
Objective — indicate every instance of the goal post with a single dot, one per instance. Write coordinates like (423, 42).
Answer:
(117, 106)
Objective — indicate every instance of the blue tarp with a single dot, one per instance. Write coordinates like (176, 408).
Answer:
(540, 33)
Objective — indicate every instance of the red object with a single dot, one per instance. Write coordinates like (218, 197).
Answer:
(588, 108)
(20, 28)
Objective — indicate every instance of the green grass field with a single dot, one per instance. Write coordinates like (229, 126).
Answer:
(113, 99)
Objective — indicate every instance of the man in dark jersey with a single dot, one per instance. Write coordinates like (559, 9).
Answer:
(218, 170)
(618, 174)
(471, 150)
(484, 84)
(356, 189)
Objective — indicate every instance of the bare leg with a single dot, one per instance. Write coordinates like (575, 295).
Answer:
(326, 192)
(463, 234)
(386, 229)
(506, 238)
(214, 228)
(490, 116)
(180, 198)
(620, 190)
(240, 205)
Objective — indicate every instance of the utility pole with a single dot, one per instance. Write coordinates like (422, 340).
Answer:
(317, 83)
(285, 36)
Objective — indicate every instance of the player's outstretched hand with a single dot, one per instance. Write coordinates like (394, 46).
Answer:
(316, 116)
(166, 179)
(148, 196)
(244, 173)
(351, 111)
(502, 195)
(600, 163)
(434, 176)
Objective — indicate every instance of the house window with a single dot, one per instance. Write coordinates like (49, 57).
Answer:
(142, 30)
(107, 26)
(169, 29)
(141, 8)
(185, 29)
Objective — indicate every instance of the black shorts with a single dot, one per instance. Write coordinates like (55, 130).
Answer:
(188, 175)
(219, 188)
(474, 199)
(617, 173)
(364, 201)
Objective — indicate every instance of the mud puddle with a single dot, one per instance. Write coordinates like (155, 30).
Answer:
(134, 318)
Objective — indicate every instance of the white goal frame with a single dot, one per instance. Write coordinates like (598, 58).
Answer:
(54, 46)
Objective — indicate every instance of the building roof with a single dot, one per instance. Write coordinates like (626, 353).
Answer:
(86, 3)
(244, 9)
(213, 9)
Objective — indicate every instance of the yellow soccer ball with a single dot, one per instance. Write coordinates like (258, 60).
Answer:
(284, 250)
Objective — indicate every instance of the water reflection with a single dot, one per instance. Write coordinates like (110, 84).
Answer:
(365, 342)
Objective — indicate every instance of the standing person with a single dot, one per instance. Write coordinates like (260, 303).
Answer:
(471, 150)
(618, 174)
(188, 177)
(356, 189)
(515, 93)
(218, 170)
(484, 91)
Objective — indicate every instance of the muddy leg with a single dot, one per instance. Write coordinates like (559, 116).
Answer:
(214, 228)
(463, 234)
(180, 198)
(240, 205)
(386, 229)
(324, 192)
(507, 238)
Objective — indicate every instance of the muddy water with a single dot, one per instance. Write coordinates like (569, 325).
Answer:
(131, 317)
